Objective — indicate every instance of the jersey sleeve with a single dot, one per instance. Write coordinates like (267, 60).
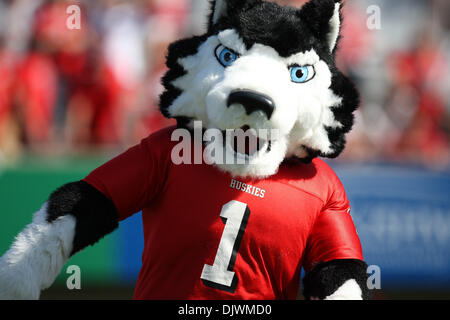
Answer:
(333, 235)
(132, 179)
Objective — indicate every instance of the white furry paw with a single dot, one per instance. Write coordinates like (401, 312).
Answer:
(350, 290)
(36, 257)
(17, 285)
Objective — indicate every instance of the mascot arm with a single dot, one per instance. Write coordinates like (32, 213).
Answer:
(75, 216)
(341, 279)
(78, 215)
(334, 262)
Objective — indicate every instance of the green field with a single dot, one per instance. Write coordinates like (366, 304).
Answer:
(25, 186)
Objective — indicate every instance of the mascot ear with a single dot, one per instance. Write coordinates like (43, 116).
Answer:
(224, 8)
(219, 10)
(323, 17)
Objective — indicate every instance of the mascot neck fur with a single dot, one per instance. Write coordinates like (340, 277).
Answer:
(265, 66)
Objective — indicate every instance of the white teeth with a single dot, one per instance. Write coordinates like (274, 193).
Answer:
(249, 143)
(246, 131)
(245, 141)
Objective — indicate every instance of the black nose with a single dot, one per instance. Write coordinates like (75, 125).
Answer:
(252, 101)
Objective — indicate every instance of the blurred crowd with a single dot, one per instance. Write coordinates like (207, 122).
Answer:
(67, 90)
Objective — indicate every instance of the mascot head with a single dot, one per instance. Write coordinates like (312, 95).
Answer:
(262, 67)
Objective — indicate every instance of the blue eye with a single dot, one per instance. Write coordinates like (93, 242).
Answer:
(225, 56)
(302, 74)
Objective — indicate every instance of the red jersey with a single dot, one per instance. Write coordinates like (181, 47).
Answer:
(211, 236)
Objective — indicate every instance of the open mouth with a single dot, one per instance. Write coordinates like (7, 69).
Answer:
(247, 142)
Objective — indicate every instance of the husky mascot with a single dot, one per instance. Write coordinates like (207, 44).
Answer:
(238, 221)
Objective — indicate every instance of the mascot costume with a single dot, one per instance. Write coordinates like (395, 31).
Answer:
(236, 229)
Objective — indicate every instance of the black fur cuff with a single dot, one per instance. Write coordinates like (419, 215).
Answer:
(327, 277)
(95, 214)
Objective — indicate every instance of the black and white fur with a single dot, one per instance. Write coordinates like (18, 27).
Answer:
(312, 118)
(74, 217)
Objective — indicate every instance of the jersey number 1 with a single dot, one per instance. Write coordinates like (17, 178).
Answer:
(220, 275)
